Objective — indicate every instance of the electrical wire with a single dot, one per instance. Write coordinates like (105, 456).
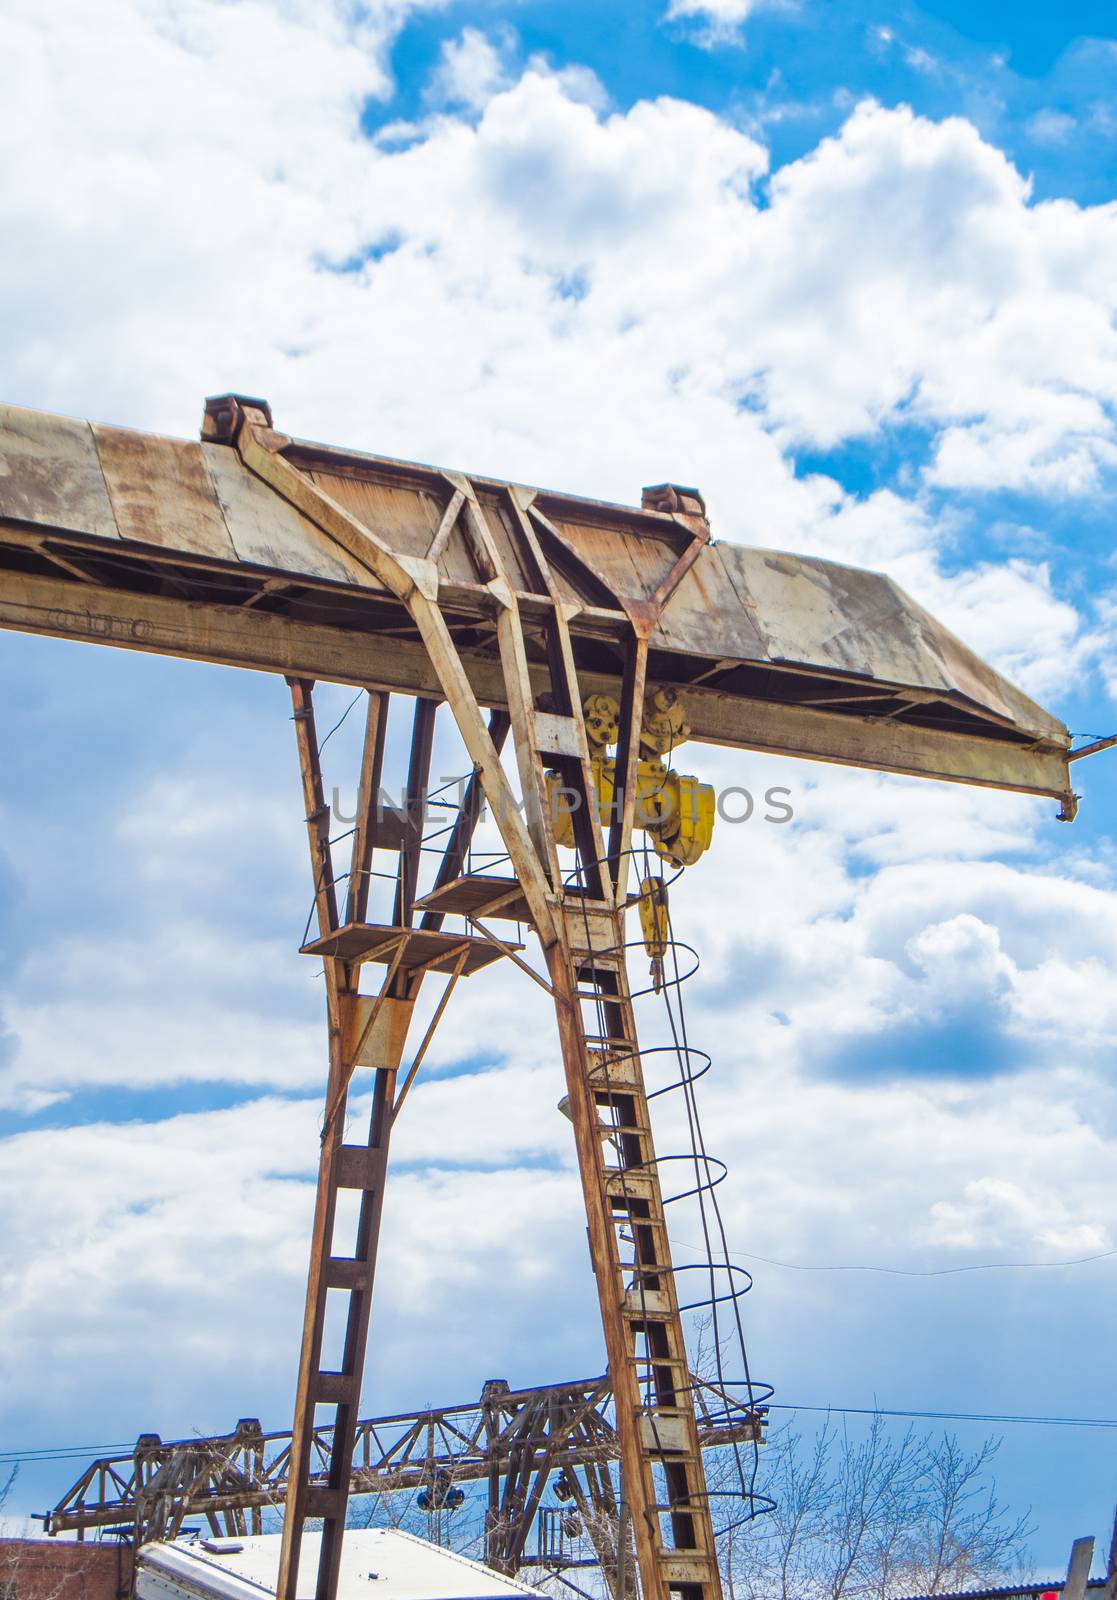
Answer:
(63, 1452)
(918, 1272)
(1001, 1419)
(324, 742)
(956, 1416)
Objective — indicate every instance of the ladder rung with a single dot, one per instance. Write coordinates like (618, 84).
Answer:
(649, 1364)
(652, 1304)
(673, 1446)
(637, 1173)
(685, 1566)
(622, 1073)
(356, 1166)
(327, 1503)
(622, 1183)
(346, 1272)
(335, 1388)
(657, 1221)
(586, 962)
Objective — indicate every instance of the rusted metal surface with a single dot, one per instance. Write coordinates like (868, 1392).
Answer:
(850, 667)
(330, 1379)
(228, 1479)
(50, 474)
(268, 532)
(291, 642)
(359, 942)
(161, 492)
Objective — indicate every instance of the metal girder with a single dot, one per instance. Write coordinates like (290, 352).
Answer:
(209, 551)
(229, 1479)
(198, 629)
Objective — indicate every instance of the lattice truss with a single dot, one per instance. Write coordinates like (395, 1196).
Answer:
(516, 1443)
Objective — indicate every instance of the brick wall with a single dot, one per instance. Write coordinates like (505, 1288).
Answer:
(62, 1569)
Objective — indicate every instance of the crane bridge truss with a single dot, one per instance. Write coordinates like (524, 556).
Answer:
(514, 1441)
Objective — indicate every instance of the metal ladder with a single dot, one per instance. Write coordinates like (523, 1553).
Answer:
(671, 1517)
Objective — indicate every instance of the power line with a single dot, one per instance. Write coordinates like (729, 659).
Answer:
(69, 1452)
(64, 1452)
(955, 1416)
(340, 720)
(916, 1272)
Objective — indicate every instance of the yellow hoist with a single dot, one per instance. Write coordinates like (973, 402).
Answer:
(675, 811)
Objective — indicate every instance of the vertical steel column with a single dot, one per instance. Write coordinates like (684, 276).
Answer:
(341, 1166)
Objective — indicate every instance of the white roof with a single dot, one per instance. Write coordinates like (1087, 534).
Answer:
(376, 1564)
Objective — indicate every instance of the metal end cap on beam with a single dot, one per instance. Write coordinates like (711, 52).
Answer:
(224, 414)
(673, 497)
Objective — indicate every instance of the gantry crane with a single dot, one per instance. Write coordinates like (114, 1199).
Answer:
(598, 637)
(516, 1442)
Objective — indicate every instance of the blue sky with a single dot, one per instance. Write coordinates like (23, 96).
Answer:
(852, 271)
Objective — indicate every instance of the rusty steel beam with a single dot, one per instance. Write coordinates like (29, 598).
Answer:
(237, 1475)
(214, 551)
(198, 629)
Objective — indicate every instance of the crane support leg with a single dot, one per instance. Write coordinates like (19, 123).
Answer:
(579, 920)
(341, 1267)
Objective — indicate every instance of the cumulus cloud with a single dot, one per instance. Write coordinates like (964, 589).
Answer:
(613, 296)
(899, 273)
(722, 10)
(473, 67)
(528, 281)
(719, 22)
(190, 1233)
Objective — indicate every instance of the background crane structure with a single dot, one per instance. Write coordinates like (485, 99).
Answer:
(572, 626)
(513, 1441)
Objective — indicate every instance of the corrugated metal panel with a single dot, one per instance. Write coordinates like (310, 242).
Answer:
(1010, 1591)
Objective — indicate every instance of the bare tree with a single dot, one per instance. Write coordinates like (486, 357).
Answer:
(868, 1518)
(864, 1516)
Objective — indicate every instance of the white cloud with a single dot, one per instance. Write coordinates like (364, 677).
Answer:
(191, 1233)
(999, 1208)
(1010, 613)
(935, 291)
(564, 293)
(719, 22)
(471, 70)
(729, 11)
(899, 273)
(1051, 127)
